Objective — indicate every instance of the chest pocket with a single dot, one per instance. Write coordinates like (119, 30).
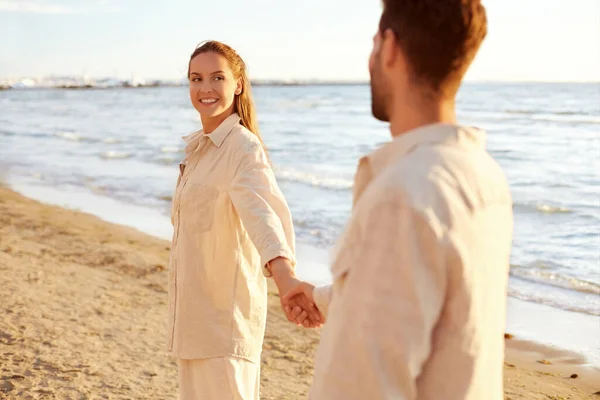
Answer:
(198, 206)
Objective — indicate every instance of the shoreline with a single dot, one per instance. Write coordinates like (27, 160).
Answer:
(84, 306)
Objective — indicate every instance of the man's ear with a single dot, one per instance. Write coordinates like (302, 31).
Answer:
(389, 50)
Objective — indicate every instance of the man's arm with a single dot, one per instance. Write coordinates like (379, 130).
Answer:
(382, 316)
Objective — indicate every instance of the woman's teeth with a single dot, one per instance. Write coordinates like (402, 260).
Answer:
(208, 101)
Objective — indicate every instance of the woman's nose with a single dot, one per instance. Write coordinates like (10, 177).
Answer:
(205, 87)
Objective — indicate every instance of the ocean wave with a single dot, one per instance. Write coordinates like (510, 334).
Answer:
(170, 149)
(534, 112)
(521, 112)
(73, 137)
(166, 161)
(542, 208)
(546, 209)
(331, 183)
(114, 155)
(550, 277)
(548, 301)
(557, 116)
(575, 119)
(543, 283)
(98, 189)
(540, 112)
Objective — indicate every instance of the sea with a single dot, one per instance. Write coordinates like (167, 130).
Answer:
(115, 152)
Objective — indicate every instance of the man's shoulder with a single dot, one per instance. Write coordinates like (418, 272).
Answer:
(442, 180)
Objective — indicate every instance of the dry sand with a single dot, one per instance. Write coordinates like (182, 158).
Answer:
(83, 306)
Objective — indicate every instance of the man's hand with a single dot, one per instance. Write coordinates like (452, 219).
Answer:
(295, 313)
(302, 308)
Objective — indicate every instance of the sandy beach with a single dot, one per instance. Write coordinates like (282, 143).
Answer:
(83, 306)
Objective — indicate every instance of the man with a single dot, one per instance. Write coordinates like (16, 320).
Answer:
(417, 308)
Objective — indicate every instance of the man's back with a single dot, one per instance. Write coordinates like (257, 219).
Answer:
(419, 303)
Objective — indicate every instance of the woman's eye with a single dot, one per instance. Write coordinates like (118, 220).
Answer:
(196, 79)
(218, 78)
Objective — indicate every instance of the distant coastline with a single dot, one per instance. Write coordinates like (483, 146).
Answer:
(78, 83)
(75, 82)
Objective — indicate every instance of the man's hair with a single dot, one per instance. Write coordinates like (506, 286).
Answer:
(439, 38)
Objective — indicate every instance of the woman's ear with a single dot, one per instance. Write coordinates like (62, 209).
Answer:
(239, 87)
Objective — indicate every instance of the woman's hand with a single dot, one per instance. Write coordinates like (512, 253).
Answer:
(296, 313)
(302, 307)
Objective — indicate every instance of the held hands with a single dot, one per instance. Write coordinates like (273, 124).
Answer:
(296, 296)
(295, 312)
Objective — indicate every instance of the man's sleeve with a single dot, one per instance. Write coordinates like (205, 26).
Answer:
(381, 318)
(322, 296)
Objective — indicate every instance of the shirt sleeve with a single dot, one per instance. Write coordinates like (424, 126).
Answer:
(382, 316)
(322, 296)
(262, 208)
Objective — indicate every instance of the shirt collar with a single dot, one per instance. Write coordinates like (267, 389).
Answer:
(218, 136)
(426, 135)
(373, 164)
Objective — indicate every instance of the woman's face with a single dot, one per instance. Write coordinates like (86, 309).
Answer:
(212, 85)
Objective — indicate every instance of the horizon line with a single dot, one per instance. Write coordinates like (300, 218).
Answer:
(266, 81)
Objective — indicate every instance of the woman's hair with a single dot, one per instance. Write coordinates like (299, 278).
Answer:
(243, 103)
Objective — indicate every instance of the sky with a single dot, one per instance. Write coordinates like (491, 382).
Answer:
(528, 40)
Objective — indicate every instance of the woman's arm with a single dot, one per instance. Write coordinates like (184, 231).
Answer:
(261, 206)
(267, 219)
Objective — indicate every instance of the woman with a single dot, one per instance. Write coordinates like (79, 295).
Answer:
(231, 226)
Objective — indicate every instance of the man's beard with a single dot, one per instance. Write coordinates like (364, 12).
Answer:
(379, 94)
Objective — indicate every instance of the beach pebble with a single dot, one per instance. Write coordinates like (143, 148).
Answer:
(545, 362)
(574, 376)
(508, 336)
(6, 386)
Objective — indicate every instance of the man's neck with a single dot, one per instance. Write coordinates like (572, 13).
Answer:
(415, 114)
